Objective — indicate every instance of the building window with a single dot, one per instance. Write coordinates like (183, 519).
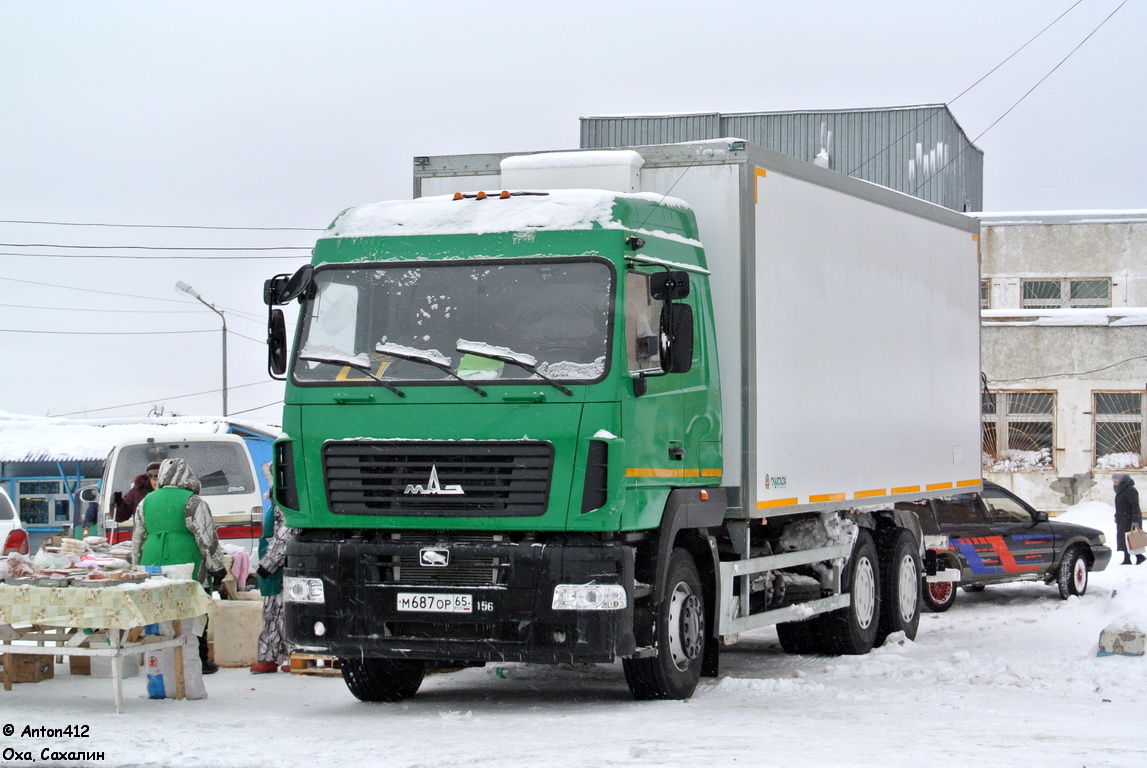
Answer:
(985, 294)
(1056, 294)
(1119, 418)
(1018, 431)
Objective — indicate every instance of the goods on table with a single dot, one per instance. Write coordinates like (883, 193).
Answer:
(90, 562)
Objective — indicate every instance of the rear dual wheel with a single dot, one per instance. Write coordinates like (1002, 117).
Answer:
(900, 581)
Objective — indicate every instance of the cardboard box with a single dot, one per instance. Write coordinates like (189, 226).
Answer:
(32, 669)
(233, 631)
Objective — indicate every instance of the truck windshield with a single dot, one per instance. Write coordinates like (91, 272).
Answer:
(557, 312)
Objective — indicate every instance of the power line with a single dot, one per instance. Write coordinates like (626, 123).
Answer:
(1029, 92)
(131, 311)
(931, 117)
(107, 333)
(152, 258)
(160, 247)
(161, 226)
(259, 408)
(173, 397)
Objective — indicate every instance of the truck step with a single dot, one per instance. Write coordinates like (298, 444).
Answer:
(314, 664)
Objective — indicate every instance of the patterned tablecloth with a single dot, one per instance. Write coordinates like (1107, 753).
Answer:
(120, 607)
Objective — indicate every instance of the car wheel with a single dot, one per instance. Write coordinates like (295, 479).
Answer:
(900, 585)
(939, 595)
(1072, 576)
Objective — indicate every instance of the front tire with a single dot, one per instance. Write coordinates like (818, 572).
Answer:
(674, 671)
(387, 680)
(1073, 571)
(900, 580)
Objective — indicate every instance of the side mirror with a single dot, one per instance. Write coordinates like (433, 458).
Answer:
(281, 289)
(676, 338)
(276, 344)
(1041, 517)
(669, 286)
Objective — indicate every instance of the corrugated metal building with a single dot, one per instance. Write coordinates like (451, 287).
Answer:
(919, 150)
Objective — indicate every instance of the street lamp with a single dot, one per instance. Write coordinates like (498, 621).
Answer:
(185, 288)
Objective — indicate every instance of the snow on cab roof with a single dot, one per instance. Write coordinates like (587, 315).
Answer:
(566, 209)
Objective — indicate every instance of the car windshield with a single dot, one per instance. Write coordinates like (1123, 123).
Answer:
(404, 323)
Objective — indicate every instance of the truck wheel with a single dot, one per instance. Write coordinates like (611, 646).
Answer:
(939, 595)
(852, 631)
(1072, 577)
(798, 637)
(382, 679)
(674, 671)
(900, 580)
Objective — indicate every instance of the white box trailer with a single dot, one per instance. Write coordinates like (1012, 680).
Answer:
(847, 316)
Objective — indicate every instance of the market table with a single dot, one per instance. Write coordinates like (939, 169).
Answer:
(117, 614)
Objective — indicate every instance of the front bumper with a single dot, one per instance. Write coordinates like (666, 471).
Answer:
(491, 601)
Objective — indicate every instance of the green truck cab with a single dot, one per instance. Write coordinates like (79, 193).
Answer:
(483, 430)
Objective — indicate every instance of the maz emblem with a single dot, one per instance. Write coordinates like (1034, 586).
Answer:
(434, 558)
(434, 488)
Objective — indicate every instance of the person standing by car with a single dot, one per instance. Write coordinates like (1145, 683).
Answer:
(1127, 513)
(173, 525)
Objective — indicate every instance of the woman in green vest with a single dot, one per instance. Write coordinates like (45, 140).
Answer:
(173, 526)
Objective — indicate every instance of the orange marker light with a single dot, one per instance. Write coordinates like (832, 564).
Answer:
(480, 196)
(457, 195)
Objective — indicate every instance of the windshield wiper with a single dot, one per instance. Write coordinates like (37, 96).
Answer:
(507, 355)
(427, 356)
(355, 362)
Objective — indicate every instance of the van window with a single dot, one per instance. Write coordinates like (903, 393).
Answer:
(7, 511)
(223, 467)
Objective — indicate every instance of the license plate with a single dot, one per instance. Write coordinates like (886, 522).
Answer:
(435, 603)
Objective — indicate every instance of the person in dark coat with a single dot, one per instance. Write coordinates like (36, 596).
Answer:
(1127, 513)
(124, 506)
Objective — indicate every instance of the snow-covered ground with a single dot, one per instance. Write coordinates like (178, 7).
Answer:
(1007, 677)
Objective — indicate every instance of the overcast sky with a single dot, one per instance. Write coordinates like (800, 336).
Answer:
(280, 114)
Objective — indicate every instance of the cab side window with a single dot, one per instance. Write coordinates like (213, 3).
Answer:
(642, 323)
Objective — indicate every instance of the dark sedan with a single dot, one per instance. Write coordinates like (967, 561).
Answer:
(976, 539)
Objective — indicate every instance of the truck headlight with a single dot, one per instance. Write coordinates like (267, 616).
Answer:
(302, 590)
(589, 597)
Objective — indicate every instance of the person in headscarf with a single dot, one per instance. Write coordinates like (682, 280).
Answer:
(173, 525)
(1127, 513)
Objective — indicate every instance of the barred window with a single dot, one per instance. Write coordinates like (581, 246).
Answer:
(985, 294)
(1057, 293)
(1018, 431)
(1119, 418)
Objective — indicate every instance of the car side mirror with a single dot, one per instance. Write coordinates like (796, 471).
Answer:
(276, 344)
(1041, 517)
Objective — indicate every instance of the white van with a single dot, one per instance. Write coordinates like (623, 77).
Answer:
(226, 472)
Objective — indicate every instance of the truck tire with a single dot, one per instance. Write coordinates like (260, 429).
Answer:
(382, 679)
(675, 669)
(900, 578)
(799, 637)
(852, 631)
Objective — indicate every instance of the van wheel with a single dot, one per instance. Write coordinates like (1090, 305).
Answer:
(900, 582)
(382, 679)
(674, 671)
(852, 631)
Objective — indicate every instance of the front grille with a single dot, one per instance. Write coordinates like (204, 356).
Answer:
(440, 479)
(466, 568)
